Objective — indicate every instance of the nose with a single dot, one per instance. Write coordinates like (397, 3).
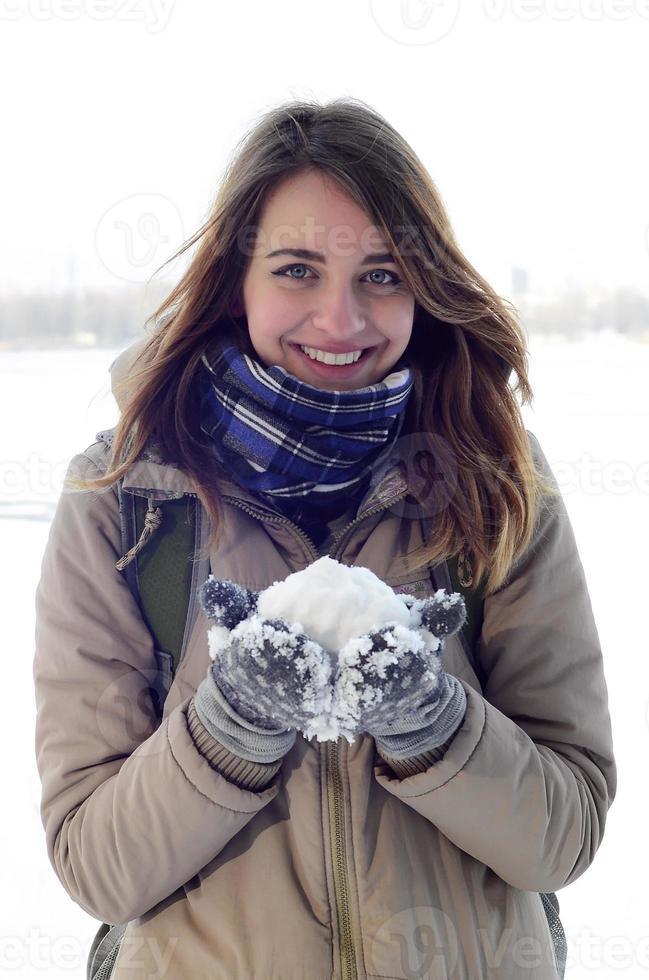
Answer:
(340, 316)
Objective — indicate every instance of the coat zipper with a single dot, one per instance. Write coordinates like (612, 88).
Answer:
(278, 519)
(275, 518)
(335, 791)
(336, 806)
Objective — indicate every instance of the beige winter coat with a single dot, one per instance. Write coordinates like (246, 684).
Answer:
(338, 868)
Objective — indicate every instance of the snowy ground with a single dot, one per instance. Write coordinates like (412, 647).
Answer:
(591, 415)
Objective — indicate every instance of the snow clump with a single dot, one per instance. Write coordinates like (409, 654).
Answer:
(332, 603)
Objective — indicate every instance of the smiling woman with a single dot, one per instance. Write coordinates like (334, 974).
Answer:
(201, 822)
(376, 268)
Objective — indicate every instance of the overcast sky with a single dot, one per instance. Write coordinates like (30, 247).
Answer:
(118, 117)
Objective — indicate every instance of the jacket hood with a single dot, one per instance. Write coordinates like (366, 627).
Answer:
(120, 369)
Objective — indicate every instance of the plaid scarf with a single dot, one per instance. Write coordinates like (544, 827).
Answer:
(306, 452)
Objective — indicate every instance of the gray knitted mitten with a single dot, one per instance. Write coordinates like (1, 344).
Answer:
(270, 672)
(392, 681)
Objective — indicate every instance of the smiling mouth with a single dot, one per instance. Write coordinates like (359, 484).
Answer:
(366, 351)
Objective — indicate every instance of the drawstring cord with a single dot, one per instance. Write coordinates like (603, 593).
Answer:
(152, 521)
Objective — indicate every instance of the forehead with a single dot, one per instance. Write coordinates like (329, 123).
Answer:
(313, 211)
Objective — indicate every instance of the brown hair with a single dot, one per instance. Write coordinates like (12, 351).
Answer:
(465, 340)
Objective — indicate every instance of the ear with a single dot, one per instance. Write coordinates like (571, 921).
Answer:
(226, 602)
(443, 613)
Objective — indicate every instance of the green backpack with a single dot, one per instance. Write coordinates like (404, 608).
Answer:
(164, 579)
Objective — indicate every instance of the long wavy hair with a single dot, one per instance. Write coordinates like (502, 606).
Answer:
(465, 342)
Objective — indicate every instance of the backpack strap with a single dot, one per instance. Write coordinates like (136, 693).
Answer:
(456, 575)
(472, 600)
(164, 573)
(164, 579)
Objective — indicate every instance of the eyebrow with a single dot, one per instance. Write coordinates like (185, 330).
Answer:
(305, 253)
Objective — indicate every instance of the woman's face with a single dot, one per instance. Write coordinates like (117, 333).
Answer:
(339, 301)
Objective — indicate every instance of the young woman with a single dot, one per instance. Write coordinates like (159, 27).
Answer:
(222, 841)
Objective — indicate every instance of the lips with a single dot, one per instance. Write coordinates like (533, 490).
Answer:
(332, 350)
(341, 371)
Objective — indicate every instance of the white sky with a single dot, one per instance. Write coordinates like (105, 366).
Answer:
(530, 115)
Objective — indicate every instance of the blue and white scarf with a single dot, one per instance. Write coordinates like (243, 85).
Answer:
(305, 451)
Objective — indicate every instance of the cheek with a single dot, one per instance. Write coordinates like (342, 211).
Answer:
(399, 338)
(267, 326)
(266, 304)
(397, 321)
(271, 319)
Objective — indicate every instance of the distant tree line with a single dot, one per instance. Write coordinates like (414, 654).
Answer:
(92, 318)
(624, 311)
(108, 318)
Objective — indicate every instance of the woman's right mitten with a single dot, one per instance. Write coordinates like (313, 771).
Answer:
(271, 672)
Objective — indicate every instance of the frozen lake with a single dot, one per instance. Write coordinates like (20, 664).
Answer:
(591, 416)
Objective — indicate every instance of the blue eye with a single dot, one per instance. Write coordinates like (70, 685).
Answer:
(394, 280)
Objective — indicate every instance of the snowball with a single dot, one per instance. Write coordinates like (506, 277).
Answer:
(336, 606)
(332, 602)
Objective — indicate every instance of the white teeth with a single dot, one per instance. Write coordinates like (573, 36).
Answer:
(320, 355)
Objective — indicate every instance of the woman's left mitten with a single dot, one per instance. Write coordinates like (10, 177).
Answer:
(385, 678)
